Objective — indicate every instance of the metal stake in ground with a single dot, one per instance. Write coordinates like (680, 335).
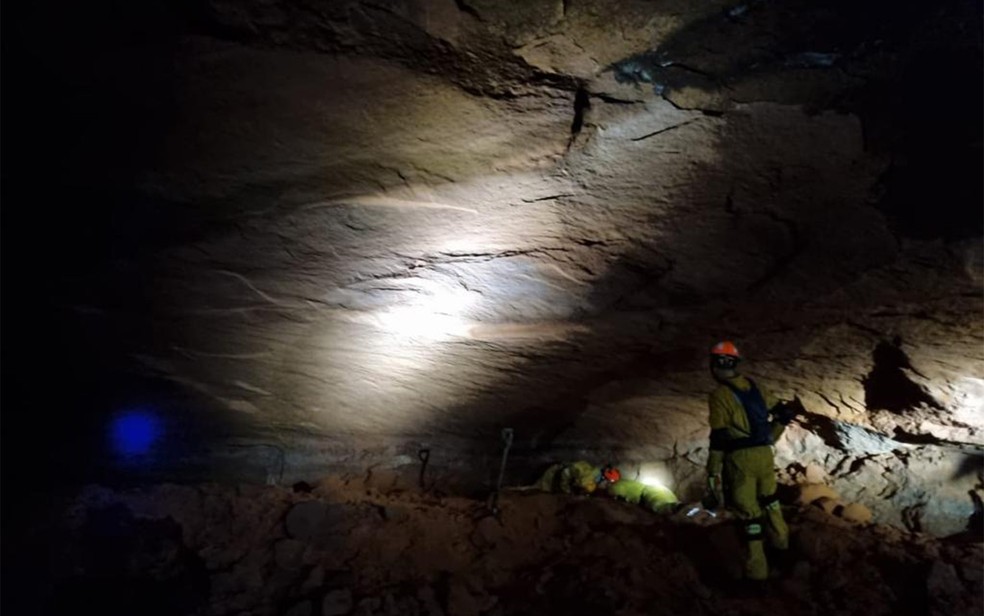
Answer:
(507, 439)
(424, 456)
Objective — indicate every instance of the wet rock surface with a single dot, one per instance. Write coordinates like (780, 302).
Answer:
(161, 550)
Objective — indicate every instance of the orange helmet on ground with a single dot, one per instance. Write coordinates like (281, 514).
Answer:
(611, 474)
(726, 347)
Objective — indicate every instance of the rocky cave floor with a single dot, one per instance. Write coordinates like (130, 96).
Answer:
(345, 546)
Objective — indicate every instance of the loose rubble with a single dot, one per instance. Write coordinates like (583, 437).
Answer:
(344, 549)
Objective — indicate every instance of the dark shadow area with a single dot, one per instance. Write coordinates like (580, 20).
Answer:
(903, 436)
(908, 584)
(975, 525)
(887, 387)
(715, 551)
(100, 567)
(971, 465)
(927, 191)
(822, 426)
(69, 227)
(582, 103)
(880, 60)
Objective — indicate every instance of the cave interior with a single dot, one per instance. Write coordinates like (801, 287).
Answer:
(281, 276)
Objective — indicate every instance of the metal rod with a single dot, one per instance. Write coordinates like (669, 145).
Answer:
(424, 456)
(507, 440)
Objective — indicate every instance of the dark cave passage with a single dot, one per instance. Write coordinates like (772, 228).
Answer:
(887, 387)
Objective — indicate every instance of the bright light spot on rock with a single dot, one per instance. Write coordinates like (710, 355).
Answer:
(652, 479)
(134, 433)
(420, 322)
(432, 316)
(971, 401)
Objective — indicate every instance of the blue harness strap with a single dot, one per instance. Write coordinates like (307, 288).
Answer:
(758, 418)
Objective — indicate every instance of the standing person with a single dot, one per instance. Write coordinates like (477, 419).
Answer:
(740, 468)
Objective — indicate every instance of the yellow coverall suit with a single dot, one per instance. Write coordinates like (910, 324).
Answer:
(573, 478)
(656, 499)
(741, 447)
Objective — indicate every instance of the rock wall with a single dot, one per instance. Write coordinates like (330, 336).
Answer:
(317, 236)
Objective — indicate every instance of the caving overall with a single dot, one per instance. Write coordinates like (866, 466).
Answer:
(573, 478)
(741, 452)
(657, 499)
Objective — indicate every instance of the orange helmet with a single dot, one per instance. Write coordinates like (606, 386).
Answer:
(611, 474)
(726, 347)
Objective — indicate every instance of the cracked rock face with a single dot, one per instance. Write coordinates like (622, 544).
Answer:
(329, 235)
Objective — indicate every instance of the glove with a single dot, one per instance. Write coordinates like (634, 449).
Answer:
(714, 498)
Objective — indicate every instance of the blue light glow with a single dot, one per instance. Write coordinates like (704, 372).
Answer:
(134, 433)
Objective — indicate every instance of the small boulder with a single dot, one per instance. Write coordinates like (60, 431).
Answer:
(815, 474)
(487, 533)
(305, 520)
(972, 573)
(304, 608)
(943, 584)
(289, 554)
(368, 606)
(829, 505)
(337, 603)
(429, 603)
(857, 513)
(318, 522)
(810, 492)
(314, 580)
(463, 600)
(395, 514)
(302, 487)
(802, 570)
